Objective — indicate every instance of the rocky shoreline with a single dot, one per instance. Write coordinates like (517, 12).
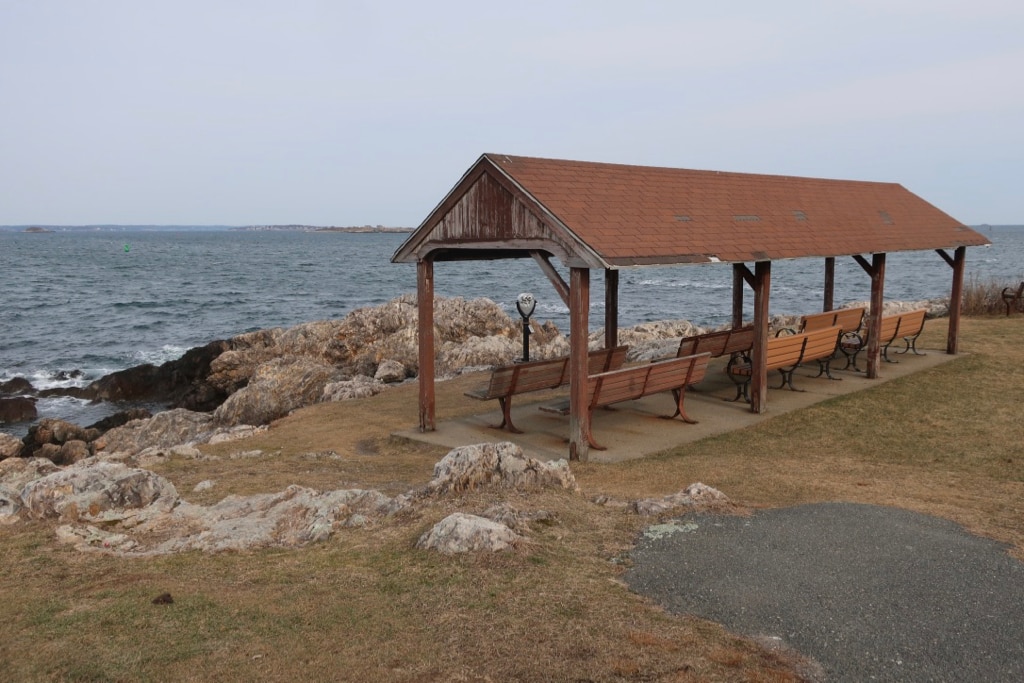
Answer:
(93, 480)
(228, 388)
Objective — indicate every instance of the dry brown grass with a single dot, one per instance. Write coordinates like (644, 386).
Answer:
(368, 606)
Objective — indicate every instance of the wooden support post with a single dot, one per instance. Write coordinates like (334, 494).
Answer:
(611, 308)
(737, 294)
(425, 305)
(579, 329)
(876, 270)
(759, 353)
(878, 303)
(830, 284)
(956, 296)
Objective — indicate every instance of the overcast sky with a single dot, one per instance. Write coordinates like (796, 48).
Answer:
(352, 113)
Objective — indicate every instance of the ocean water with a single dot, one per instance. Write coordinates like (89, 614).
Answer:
(77, 305)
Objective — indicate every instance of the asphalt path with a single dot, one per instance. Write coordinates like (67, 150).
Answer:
(870, 593)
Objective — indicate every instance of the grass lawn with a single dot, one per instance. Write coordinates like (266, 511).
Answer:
(367, 606)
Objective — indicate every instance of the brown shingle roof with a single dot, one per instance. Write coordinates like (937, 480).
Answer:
(619, 215)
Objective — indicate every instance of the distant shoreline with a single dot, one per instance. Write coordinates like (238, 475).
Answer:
(31, 229)
(984, 228)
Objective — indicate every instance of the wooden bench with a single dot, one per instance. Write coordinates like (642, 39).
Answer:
(847, 319)
(906, 326)
(508, 380)
(627, 384)
(717, 344)
(1012, 298)
(785, 353)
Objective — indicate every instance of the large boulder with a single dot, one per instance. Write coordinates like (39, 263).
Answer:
(10, 446)
(97, 491)
(16, 472)
(16, 386)
(497, 464)
(276, 388)
(390, 371)
(231, 370)
(462, 533)
(47, 437)
(359, 386)
(177, 382)
(477, 351)
(120, 418)
(163, 430)
(17, 409)
(10, 505)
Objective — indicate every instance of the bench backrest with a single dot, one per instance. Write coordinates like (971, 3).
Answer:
(532, 376)
(721, 343)
(785, 350)
(888, 327)
(788, 350)
(549, 374)
(911, 323)
(820, 344)
(641, 380)
(817, 321)
(604, 360)
(849, 319)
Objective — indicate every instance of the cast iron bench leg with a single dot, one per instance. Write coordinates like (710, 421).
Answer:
(506, 416)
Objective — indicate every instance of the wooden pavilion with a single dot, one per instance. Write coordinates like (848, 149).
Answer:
(611, 216)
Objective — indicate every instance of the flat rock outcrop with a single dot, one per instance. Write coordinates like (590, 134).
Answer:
(114, 507)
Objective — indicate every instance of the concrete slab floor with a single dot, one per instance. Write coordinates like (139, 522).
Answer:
(634, 429)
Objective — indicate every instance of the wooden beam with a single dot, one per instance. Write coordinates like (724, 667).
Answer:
(745, 273)
(611, 308)
(579, 328)
(830, 284)
(877, 271)
(737, 295)
(544, 261)
(956, 296)
(759, 353)
(425, 331)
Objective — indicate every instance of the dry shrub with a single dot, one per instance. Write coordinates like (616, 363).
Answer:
(984, 297)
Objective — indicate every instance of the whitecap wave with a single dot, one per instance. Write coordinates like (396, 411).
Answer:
(165, 353)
